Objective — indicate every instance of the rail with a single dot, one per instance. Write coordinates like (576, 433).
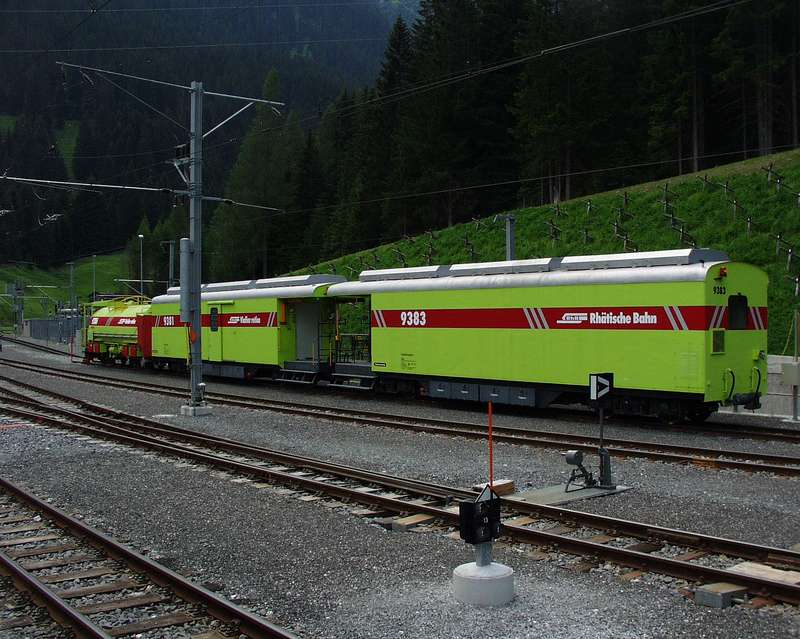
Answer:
(82, 536)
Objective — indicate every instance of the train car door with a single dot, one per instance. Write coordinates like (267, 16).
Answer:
(214, 352)
(308, 319)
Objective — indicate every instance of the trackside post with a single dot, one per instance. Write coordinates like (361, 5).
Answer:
(482, 582)
(601, 385)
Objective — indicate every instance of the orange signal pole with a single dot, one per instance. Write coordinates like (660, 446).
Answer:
(491, 461)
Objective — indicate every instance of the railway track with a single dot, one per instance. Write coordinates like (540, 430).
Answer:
(37, 347)
(712, 458)
(94, 587)
(682, 554)
(750, 431)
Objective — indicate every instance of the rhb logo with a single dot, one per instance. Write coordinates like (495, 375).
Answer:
(127, 321)
(244, 319)
(573, 318)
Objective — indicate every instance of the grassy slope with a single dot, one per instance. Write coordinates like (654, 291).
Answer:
(706, 212)
(7, 123)
(109, 267)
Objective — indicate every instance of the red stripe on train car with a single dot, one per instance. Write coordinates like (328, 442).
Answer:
(663, 318)
(225, 320)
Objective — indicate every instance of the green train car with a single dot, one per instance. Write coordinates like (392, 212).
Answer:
(683, 331)
(270, 327)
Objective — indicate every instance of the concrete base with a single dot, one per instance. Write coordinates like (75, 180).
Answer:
(195, 411)
(491, 585)
(719, 595)
(555, 495)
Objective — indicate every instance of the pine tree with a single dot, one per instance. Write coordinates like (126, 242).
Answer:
(746, 49)
(433, 138)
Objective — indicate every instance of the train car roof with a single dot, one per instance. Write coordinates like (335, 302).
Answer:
(293, 286)
(618, 268)
(119, 310)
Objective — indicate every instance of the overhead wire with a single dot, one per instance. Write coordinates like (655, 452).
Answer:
(92, 12)
(298, 5)
(211, 45)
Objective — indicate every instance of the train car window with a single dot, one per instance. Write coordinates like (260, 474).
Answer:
(737, 312)
(214, 319)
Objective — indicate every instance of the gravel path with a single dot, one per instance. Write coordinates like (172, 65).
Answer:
(758, 508)
(325, 573)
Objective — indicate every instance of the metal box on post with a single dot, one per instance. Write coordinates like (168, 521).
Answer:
(479, 521)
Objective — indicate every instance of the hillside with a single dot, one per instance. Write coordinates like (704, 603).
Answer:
(705, 210)
(109, 268)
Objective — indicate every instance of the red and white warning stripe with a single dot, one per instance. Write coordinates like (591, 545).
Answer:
(542, 319)
(717, 317)
(529, 317)
(536, 318)
(676, 318)
(758, 321)
(379, 320)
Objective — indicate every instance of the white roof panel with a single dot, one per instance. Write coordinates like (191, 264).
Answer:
(284, 287)
(413, 273)
(497, 268)
(298, 280)
(227, 286)
(273, 282)
(677, 257)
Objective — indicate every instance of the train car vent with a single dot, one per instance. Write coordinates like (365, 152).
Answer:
(718, 342)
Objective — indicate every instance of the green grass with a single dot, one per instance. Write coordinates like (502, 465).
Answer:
(7, 123)
(66, 141)
(109, 267)
(707, 215)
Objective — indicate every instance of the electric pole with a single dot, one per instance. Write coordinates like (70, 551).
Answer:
(18, 303)
(510, 239)
(72, 300)
(195, 246)
(141, 265)
(171, 276)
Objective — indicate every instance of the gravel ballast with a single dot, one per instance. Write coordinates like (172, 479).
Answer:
(760, 508)
(326, 573)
